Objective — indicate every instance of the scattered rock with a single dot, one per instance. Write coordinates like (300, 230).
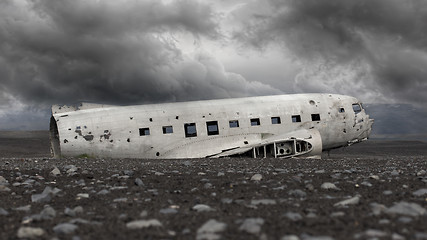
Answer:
(371, 234)
(30, 232)
(103, 192)
(387, 192)
(55, 172)
(3, 212)
(263, 202)
(45, 196)
(352, 201)
(139, 224)
(4, 188)
(210, 230)
(47, 213)
(138, 182)
(25, 208)
(256, 177)
(297, 193)
(120, 200)
(308, 237)
(293, 216)
(252, 225)
(329, 186)
(73, 212)
(377, 209)
(65, 228)
(407, 209)
(290, 237)
(70, 169)
(168, 211)
(82, 195)
(3, 181)
(420, 192)
(202, 208)
(337, 214)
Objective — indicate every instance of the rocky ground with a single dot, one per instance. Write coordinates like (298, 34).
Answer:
(373, 190)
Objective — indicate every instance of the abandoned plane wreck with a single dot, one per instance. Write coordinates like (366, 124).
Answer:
(296, 125)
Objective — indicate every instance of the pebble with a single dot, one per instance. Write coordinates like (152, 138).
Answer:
(387, 192)
(297, 193)
(210, 230)
(3, 181)
(377, 209)
(55, 172)
(3, 212)
(73, 212)
(370, 234)
(4, 188)
(168, 211)
(290, 237)
(65, 228)
(47, 213)
(70, 169)
(420, 192)
(30, 232)
(308, 237)
(43, 197)
(138, 182)
(404, 220)
(329, 186)
(82, 195)
(337, 214)
(407, 209)
(396, 236)
(263, 202)
(293, 216)
(139, 224)
(202, 208)
(25, 208)
(121, 200)
(252, 225)
(352, 201)
(256, 177)
(103, 192)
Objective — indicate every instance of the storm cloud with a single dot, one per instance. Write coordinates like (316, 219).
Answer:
(119, 52)
(375, 49)
(151, 51)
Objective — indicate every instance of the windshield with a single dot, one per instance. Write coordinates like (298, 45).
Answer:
(357, 108)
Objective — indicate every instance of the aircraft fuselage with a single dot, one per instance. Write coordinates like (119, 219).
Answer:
(211, 128)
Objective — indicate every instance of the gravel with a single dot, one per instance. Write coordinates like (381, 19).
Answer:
(367, 191)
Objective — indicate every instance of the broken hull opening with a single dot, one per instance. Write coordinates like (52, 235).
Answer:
(55, 147)
(279, 149)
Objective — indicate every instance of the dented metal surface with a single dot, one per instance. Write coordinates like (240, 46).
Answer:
(298, 125)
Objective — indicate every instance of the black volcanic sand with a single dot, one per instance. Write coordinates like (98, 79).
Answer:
(385, 183)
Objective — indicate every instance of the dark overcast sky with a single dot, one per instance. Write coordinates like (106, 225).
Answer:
(131, 52)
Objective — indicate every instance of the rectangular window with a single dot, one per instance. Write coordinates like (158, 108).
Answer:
(190, 130)
(144, 131)
(234, 123)
(212, 128)
(255, 122)
(356, 108)
(167, 129)
(296, 118)
(315, 117)
(275, 120)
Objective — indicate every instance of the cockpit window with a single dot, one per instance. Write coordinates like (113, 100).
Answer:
(357, 108)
